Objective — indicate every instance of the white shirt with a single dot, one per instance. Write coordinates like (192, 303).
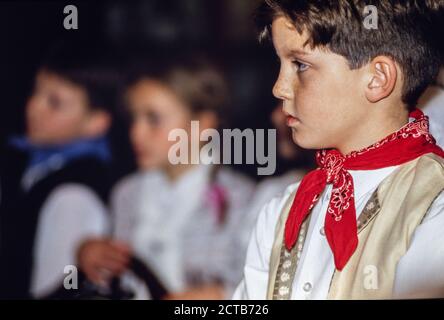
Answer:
(172, 229)
(71, 214)
(265, 191)
(419, 269)
(432, 104)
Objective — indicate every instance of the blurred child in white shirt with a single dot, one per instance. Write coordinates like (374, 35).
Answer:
(181, 220)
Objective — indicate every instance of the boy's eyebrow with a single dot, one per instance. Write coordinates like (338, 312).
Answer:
(289, 52)
(298, 52)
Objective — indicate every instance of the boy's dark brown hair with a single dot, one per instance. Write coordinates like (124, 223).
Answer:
(88, 68)
(409, 31)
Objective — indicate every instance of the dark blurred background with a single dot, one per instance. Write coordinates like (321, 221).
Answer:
(224, 28)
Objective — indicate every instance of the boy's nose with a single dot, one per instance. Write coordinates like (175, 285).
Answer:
(33, 106)
(281, 89)
(139, 133)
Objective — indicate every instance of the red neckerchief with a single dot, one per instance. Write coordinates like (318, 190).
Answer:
(410, 142)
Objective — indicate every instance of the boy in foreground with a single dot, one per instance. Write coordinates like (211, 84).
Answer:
(367, 223)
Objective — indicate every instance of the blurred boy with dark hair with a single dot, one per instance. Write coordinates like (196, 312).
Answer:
(367, 223)
(55, 178)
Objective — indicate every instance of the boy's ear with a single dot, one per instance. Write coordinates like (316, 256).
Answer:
(383, 77)
(98, 124)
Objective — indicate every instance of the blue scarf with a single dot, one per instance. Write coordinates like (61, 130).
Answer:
(41, 155)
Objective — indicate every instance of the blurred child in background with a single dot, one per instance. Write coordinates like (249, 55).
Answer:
(181, 220)
(432, 104)
(55, 178)
(293, 163)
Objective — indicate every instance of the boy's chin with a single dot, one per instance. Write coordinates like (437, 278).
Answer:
(146, 164)
(305, 142)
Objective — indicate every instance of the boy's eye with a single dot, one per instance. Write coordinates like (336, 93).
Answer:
(301, 66)
(152, 118)
(54, 102)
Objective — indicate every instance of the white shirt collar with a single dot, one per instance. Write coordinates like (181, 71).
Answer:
(366, 181)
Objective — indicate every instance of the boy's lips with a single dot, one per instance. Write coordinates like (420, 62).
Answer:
(291, 120)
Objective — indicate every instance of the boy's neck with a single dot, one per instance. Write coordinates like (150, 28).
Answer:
(374, 131)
